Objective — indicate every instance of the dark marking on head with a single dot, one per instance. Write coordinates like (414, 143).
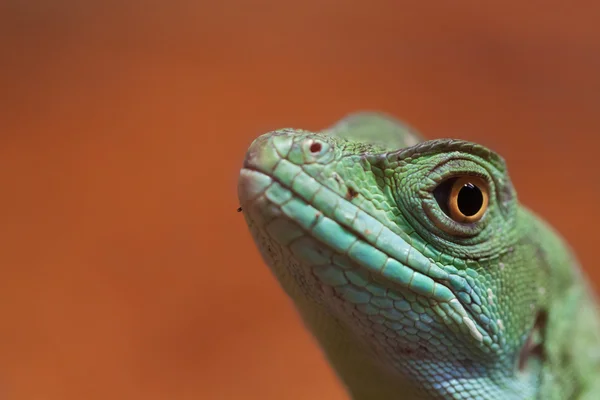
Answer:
(407, 351)
(534, 345)
(239, 209)
(351, 193)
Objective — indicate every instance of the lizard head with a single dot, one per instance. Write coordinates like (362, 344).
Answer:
(404, 243)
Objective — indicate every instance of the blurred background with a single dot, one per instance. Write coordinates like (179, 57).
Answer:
(126, 272)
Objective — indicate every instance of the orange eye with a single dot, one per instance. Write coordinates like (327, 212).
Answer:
(468, 199)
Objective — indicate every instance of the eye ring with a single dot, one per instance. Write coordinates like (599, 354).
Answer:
(468, 199)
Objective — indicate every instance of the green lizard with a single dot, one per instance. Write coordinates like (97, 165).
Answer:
(416, 268)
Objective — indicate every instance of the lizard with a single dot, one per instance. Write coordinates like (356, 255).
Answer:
(416, 268)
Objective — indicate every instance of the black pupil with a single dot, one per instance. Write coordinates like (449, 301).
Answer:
(470, 199)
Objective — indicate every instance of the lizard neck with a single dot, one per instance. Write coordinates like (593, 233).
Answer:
(362, 376)
(357, 369)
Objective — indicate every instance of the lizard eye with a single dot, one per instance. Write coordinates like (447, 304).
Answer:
(464, 199)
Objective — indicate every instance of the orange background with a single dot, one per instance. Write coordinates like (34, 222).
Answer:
(126, 272)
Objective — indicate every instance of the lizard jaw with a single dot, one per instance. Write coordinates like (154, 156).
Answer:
(279, 201)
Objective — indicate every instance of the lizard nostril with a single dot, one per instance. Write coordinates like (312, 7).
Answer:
(315, 147)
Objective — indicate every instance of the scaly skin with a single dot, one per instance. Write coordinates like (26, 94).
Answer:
(406, 302)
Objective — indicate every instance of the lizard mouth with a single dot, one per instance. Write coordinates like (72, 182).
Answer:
(324, 215)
